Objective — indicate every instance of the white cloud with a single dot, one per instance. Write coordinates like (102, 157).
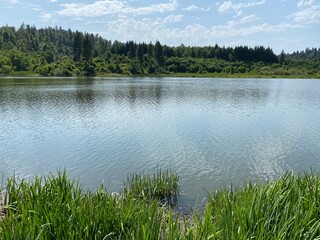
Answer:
(238, 14)
(47, 17)
(194, 34)
(249, 18)
(99, 8)
(13, 2)
(190, 8)
(303, 3)
(310, 15)
(230, 6)
(245, 19)
(193, 7)
(233, 31)
(172, 18)
(106, 7)
(10, 4)
(36, 8)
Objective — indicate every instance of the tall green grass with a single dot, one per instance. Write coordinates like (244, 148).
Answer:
(287, 208)
(56, 207)
(162, 186)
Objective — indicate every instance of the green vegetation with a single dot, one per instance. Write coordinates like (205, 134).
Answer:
(55, 207)
(58, 52)
(162, 186)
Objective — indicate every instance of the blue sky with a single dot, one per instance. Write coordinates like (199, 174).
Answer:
(281, 24)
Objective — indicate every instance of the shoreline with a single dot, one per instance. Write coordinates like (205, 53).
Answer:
(171, 75)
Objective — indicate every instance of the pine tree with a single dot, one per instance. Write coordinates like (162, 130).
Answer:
(77, 46)
(87, 48)
(158, 53)
(282, 57)
(139, 54)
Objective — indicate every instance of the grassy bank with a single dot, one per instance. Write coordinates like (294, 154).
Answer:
(56, 207)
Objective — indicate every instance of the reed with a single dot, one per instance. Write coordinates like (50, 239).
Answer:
(55, 207)
(162, 186)
(287, 208)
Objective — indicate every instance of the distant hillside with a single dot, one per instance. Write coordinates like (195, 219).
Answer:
(59, 52)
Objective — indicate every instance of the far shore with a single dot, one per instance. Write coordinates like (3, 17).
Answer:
(182, 75)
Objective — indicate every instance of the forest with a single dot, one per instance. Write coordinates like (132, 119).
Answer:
(58, 52)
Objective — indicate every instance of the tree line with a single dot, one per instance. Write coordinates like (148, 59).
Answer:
(58, 52)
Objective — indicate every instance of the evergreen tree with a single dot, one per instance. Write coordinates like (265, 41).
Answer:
(158, 53)
(140, 54)
(282, 57)
(131, 49)
(87, 48)
(150, 50)
(77, 46)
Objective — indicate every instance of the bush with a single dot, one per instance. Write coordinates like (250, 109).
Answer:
(62, 72)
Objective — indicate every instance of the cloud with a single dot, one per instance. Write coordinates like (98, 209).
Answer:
(172, 19)
(13, 2)
(190, 8)
(193, 7)
(233, 31)
(10, 4)
(310, 15)
(245, 19)
(36, 8)
(238, 14)
(47, 17)
(230, 6)
(107, 7)
(249, 18)
(303, 3)
(194, 34)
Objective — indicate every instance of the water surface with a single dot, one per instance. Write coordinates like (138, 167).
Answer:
(212, 132)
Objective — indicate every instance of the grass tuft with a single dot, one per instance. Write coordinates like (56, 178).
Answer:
(162, 186)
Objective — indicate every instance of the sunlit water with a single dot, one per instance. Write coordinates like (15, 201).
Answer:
(212, 132)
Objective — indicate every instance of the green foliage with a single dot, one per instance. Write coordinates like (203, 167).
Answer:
(287, 208)
(158, 53)
(5, 65)
(162, 186)
(88, 69)
(87, 47)
(77, 46)
(40, 51)
(55, 207)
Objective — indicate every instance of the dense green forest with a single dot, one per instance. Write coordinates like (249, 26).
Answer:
(58, 52)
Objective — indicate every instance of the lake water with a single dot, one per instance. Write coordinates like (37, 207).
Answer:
(212, 132)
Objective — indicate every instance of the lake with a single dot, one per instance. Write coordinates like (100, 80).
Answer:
(212, 132)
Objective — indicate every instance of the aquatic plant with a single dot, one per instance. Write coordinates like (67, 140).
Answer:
(55, 207)
(286, 208)
(162, 186)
